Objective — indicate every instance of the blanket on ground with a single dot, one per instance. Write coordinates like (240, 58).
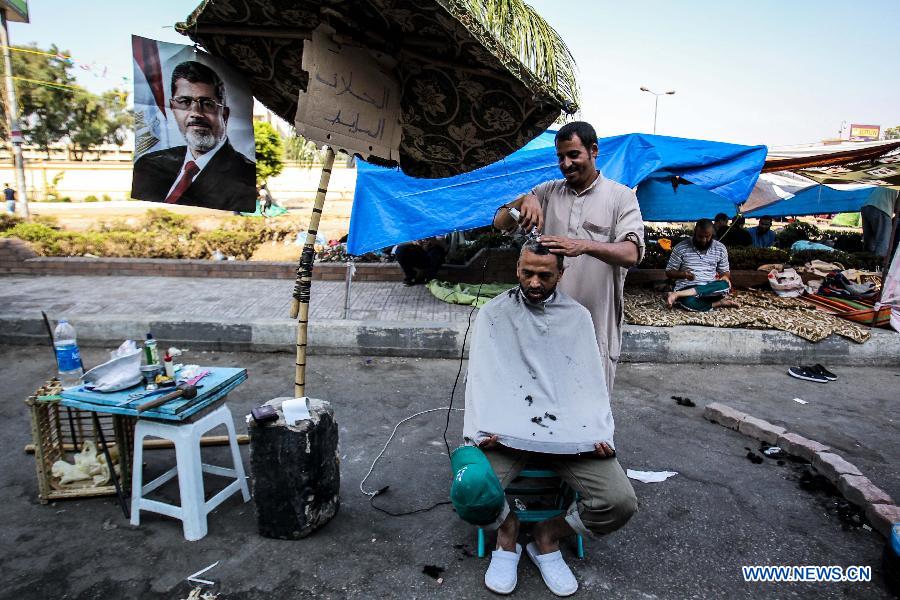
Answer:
(758, 310)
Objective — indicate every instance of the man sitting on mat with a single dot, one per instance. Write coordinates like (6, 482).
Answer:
(699, 267)
(536, 393)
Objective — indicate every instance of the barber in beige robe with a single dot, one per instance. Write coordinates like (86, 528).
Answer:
(596, 224)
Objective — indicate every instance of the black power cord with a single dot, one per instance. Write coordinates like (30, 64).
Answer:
(462, 352)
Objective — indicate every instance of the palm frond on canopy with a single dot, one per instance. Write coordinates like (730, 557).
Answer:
(479, 79)
(532, 40)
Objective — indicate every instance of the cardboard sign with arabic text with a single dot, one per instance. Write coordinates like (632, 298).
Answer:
(352, 101)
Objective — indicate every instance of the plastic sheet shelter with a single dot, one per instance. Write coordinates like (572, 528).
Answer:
(390, 207)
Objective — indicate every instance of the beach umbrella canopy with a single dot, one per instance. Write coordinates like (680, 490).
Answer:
(478, 78)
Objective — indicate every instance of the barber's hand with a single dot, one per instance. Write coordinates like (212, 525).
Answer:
(488, 443)
(532, 215)
(563, 245)
(689, 275)
(603, 450)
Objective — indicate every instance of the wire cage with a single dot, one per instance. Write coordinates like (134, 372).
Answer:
(58, 433)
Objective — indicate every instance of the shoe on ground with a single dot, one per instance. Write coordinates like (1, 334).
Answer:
(807, 374)
(556, 573)
(409, 282)
(503, 573)
(820, 370)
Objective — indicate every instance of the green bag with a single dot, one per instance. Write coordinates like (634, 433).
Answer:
(476, 492)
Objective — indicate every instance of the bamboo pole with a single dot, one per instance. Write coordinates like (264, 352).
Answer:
(300, 304)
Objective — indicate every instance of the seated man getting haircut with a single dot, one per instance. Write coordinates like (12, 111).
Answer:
(536, 394)
(699, 267)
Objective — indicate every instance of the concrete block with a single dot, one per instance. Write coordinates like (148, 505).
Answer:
(799, 446)
(760, 430)
(832, 466)
(883, 517)
(861, 491)
(724, 415)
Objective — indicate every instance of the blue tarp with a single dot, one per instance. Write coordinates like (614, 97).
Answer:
(817, 200)
(390, 207)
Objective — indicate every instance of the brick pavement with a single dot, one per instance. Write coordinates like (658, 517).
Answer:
(211, 298)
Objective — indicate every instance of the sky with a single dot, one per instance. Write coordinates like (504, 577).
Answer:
(767, 72)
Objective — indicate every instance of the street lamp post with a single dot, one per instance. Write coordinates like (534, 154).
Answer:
(656, 102)
(15, 134)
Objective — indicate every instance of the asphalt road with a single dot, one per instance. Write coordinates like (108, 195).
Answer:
(689, 539)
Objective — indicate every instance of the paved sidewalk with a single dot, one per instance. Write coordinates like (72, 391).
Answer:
(384, 319)
(248, 299)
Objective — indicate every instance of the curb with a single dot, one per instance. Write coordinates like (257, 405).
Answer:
(856, 488)
(423, 339)
(433, 339)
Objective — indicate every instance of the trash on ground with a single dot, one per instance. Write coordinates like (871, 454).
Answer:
(433, 571)
(800, 401)
(650, 476)
(90, 468)
(756, 459)
(194, 578)
(772, 451)
(198, 594)
(683, 401)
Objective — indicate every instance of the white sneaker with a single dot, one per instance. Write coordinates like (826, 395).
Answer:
(556, 573)
(503, 573)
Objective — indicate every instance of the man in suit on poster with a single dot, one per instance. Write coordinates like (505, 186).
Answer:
(207, 171)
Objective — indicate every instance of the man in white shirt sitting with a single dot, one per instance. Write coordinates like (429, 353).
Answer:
(536, 394)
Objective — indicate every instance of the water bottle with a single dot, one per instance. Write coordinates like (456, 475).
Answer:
(68, 359)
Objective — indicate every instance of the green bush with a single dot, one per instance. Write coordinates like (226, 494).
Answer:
(847, 241)
(749, 258)
(795, 232)
(106, 198)
(8, 221)
(743, 259)
(676, 234)
(850, 260)
(91, 198)
(655, 257)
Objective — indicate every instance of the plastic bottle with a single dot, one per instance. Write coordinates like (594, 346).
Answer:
(68, 359)
(151, 352)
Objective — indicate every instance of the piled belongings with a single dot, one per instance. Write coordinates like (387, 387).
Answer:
(786, 283)
(838, 295)
(836, 285)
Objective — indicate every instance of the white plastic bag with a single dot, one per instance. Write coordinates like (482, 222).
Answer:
(787, 283)
(120, 373)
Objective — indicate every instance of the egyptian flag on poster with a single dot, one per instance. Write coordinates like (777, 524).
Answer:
(193, 129)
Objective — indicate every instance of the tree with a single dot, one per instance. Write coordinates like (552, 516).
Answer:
(892, 133)
(44, 96)
(53, 108)
(301, 150)
(97, 120)
(269, 151)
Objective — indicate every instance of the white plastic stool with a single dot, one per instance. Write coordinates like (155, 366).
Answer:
(189, 468)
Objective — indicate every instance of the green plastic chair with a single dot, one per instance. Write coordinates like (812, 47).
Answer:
(565, 495)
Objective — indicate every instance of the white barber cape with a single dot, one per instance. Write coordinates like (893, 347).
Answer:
(536, 378)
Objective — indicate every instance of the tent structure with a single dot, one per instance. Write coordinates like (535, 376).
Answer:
(810, 179)
(390, 207)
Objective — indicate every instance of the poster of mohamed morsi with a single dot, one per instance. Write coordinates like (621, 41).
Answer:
(193, 127)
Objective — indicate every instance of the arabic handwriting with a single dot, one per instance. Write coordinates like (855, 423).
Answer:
(353, 127)
(347, 82)
(328, 83)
